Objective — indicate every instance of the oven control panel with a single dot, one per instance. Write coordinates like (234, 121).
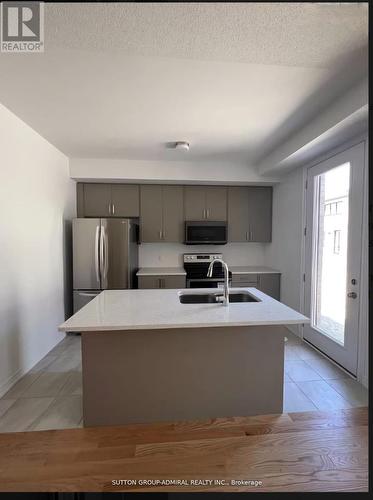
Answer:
(201, 257)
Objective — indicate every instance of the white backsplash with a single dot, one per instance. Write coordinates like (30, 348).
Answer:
(171, 254)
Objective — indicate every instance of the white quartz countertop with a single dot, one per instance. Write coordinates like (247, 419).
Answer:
(160, 309)
(157, 271)
(253, 270)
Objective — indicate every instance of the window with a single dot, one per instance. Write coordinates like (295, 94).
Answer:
(337, 241)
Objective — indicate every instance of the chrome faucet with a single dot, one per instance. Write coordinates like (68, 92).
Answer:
(226, 278)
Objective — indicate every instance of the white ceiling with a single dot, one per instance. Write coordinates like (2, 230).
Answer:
(122, 80)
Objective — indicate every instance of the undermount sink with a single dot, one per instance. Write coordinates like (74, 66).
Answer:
(215, 298)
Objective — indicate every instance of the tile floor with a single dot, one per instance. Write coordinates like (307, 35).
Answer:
(49, 396)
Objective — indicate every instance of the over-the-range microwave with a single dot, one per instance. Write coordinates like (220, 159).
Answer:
(206, 232)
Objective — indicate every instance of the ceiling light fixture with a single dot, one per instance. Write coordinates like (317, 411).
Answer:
(182, 145)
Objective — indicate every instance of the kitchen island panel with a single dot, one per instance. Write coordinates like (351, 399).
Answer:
(192, 374)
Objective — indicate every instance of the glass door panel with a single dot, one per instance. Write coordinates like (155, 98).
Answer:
(330, 259)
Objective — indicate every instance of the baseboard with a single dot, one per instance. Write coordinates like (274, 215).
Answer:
(295, 330)
(13, 379)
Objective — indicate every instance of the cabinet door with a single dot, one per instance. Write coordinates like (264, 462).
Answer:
(195, 202)
(270, 284)
(97, 200)
(149, 282)
(238, 214)
(260, 213)
(150, 213)
(125, 200)
(173, 214)
(216, 203)
(173, 281)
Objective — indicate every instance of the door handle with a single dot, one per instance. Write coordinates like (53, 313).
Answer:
(352, 295)
(97, 253)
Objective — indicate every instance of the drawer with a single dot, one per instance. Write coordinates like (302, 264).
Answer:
(161, 281)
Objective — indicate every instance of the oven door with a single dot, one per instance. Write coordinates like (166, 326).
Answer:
(210, 233)
(206, 283)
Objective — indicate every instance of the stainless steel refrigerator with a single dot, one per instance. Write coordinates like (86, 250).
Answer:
(105, 257)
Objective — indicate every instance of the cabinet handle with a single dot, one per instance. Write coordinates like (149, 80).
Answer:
(207, 213)
(163, 235)
(109, 208)
(251, 235)
(204, 214)
(160, 235)
(113, 208)
(247, 236)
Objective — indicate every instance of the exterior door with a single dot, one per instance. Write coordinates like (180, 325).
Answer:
(334, 212)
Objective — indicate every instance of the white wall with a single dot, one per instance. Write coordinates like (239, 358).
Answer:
(37, 198)
(216, 172)
(168, 254)
(285, 251)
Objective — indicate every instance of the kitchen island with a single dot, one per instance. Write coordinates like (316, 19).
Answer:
(147, 357)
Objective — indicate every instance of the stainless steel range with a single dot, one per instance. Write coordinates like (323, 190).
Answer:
(196, 266)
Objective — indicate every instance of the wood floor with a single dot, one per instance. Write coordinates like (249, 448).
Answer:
(300, 452)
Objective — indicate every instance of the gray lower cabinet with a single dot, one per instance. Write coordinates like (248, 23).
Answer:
(162, 215)
(107, 200)
(161, 281)
(268, 283)
(205, 203)
(250, 213)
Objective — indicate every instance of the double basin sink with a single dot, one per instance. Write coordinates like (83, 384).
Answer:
(216, 297)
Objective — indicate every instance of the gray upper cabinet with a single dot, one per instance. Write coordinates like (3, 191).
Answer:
(107, 200)
(205, 203)
(238, 214)
(162, 216)
(96, 200)
(151, 213)
(125, 200)
(164, 208)
(216, 203)
(194, 202)
(250, 213)
(173, 213)
(260, 213)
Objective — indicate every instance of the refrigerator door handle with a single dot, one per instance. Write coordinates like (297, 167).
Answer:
(104, 257)
(97, 253)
